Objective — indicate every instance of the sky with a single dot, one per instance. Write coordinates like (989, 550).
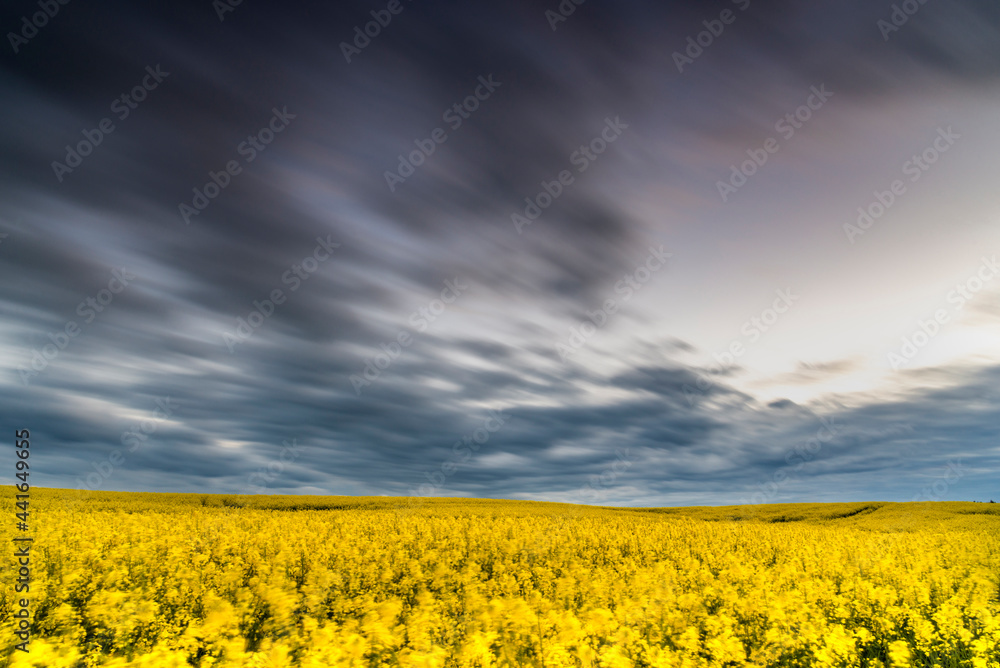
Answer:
(621, 253)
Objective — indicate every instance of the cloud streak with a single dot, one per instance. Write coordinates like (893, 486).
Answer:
(248, 157)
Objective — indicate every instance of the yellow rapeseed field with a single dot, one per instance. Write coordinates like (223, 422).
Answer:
(189, 580)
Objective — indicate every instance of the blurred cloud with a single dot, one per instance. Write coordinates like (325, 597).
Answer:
(494, 347)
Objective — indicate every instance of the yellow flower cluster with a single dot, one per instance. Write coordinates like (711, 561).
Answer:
(158, 581)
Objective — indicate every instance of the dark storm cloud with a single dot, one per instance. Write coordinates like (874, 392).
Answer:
(323, 178)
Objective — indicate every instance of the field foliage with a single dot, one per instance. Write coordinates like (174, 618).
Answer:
(204, 580)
